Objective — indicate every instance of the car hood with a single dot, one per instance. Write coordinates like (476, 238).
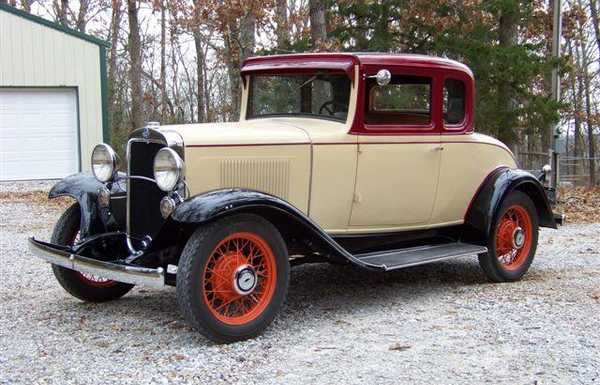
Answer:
(251, 132)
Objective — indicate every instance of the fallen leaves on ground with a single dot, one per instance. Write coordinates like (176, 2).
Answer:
(580, 204)
(36, 197)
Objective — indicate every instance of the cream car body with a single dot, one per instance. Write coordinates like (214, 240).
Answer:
(369, 160)
(347, 183)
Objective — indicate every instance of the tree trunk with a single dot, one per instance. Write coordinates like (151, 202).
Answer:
(163, 64)
(318, 26)
(594, 20)
(115, 29)
(81, 21)
(239, 44)
(588, 115)
(282, 31)
(577, 96)
(135, 69)
(200, 64)
(508, 28)
(588, 103)
(61, 9)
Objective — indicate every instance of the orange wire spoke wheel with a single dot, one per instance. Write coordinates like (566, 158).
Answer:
(239, 278)
(93, 280)
(90, 279)
(514, 237)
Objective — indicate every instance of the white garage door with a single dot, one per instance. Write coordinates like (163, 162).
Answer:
(38, 133)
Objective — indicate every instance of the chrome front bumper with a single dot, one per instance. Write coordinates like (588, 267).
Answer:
(116, 272)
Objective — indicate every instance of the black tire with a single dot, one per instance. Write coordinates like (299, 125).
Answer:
(493, 268)
(74, 283)
(193, 278)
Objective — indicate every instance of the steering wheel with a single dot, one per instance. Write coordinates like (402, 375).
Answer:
(327, 107)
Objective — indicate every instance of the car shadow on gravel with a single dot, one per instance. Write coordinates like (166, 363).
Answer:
(321, 289)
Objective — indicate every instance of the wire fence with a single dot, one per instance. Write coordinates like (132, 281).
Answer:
(573, 170)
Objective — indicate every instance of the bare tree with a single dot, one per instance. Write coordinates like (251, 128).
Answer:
(282, 31)
(594, 20)
(135, 68)
(163, 64)
(115, 24)
(318, 23)
(508, 33)
(61, 9)
(81, 20)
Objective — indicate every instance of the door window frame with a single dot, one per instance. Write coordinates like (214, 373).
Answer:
(359, 126)
(466, 126)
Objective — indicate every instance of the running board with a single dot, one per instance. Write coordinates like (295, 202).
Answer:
(413, 256)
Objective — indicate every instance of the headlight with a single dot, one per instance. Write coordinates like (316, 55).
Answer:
(168, 169)
(104, 162)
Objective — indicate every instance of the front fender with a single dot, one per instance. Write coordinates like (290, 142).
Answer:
(83, 187)
(287, 218)
(495, 188)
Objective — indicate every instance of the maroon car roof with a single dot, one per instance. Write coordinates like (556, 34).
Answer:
(345, 62)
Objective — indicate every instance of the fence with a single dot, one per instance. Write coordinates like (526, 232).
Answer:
(573, 170)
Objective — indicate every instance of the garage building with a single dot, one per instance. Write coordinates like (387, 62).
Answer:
(53, 97)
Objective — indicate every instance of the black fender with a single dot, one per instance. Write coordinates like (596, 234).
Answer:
(485, 205)
(84, 188)
(288, 219)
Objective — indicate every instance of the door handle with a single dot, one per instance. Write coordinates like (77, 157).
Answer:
(438, 148)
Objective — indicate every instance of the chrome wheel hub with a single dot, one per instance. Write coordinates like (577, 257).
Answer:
(518, 238)
(244, 280)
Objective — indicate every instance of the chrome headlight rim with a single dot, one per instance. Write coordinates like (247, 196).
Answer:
(177, 167)
(111, 160)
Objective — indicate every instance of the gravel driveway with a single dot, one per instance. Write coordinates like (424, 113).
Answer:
(435, 324)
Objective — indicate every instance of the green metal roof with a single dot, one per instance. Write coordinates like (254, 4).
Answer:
(56, 26)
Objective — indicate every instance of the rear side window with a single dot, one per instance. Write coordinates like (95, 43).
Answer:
(406, 100)
(454, 101)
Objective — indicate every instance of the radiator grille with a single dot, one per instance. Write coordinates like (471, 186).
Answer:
(266, 175)
(143, 196)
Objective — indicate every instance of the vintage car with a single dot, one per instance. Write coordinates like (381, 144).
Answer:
(369, 160)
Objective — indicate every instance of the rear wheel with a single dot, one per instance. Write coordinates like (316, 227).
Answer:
(513, 242)
(232, 277)
(86, 287)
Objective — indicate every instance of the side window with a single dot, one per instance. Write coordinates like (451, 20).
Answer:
(454, 101)
(406, 100)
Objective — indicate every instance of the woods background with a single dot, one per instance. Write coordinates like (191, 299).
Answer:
(178, 61)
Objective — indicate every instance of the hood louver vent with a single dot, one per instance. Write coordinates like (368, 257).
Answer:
(267, 175)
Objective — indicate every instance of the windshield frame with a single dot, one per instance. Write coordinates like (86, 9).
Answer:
(248, 89)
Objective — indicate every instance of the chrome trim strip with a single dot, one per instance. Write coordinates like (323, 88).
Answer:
(424, 262)
(121, 273)
(139, 177)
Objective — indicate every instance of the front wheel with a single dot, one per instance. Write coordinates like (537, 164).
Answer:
(86, 287)
(232, 277)
(513, 241)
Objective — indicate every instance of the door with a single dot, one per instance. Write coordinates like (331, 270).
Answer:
(398, 167)
(38, 133)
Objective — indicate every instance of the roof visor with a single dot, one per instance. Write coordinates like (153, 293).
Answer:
(299, 64)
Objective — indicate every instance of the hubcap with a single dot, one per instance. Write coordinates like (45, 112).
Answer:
(244, 280)
(518, 238)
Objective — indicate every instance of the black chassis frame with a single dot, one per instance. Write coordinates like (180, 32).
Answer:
(103, 232)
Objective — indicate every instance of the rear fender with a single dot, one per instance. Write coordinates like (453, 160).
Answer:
(84, 188)
(487, 201)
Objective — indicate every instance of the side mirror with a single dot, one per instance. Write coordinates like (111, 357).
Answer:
(383, 77)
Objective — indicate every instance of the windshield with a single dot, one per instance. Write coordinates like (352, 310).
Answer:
(313, 95)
